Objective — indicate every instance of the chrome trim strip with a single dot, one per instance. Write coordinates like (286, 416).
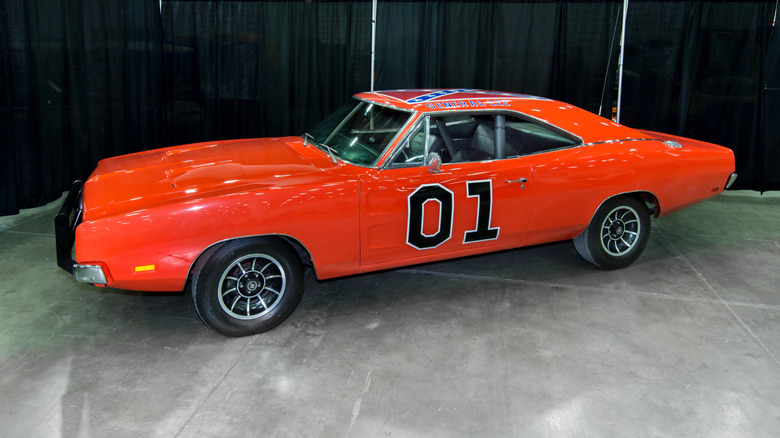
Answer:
(625, 139)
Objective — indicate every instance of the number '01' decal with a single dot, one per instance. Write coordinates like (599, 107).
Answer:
(416, 237)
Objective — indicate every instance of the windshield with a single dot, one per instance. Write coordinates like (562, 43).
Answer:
(359, 131)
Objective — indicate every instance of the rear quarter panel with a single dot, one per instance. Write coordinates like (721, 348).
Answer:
(682, 177)
(570, 185)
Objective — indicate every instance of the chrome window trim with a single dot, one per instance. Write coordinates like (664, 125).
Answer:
(509, 112)
(389, 164)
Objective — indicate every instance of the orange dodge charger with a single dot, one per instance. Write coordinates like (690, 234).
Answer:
(393, 178)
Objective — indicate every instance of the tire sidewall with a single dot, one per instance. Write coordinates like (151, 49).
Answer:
(206, 283)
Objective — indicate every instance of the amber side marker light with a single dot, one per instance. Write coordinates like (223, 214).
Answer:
(144, 268)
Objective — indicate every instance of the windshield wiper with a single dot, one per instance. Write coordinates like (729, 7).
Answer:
(330, 151)
(305, 136)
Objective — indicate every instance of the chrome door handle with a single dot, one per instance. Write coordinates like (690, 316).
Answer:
(519, 180)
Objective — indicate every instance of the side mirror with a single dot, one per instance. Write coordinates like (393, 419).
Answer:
(434, 163)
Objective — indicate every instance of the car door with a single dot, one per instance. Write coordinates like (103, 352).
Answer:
(412, 213)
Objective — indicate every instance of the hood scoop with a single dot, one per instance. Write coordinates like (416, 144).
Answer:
(225, 163)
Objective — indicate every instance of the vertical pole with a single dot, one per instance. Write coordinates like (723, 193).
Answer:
(606, 73)
(620, 62)
(373, 41)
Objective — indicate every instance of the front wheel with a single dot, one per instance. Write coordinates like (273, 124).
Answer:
(248, 287)
(617, 233)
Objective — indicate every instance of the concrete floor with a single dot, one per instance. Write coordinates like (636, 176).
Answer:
(533, 342)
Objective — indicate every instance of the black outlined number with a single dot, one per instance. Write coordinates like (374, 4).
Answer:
(416, 237)
(429, 193)
(483, 190)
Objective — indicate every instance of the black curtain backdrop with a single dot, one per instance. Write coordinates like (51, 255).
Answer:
(697, 69)
(248, 69)
(82, 80)
(88, 79)
(555, 49)
(769, 176)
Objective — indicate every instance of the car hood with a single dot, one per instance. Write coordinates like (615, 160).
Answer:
(148, 179)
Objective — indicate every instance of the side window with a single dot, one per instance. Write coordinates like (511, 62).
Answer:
(482, 137)
(467, 137)
(524, 137)
(416, 147)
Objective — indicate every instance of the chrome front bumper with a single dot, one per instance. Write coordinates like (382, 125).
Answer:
(65, 224)
(89, 274)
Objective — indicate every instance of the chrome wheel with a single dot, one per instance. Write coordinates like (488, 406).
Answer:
(251, 286)
(620, 231)
(617, 233)
(247, 286)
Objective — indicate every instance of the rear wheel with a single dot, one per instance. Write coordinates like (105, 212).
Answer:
(248, 287)
(617, 233)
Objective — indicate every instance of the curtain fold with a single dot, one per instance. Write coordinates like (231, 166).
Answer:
(248, 69)
(21, 184)
(769, 176)
(536, 47)
(82, 81)
(696, 69)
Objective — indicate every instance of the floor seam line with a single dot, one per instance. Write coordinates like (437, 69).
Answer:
(658, 230)
(724, 302)
(27, 233)
(216, 385)
(32, 218)
(760, 306)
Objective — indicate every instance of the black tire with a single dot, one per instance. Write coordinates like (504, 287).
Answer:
(617, 234)
(248, 286)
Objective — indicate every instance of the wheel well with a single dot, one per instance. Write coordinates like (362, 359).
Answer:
(293, 244)
(649, 199)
